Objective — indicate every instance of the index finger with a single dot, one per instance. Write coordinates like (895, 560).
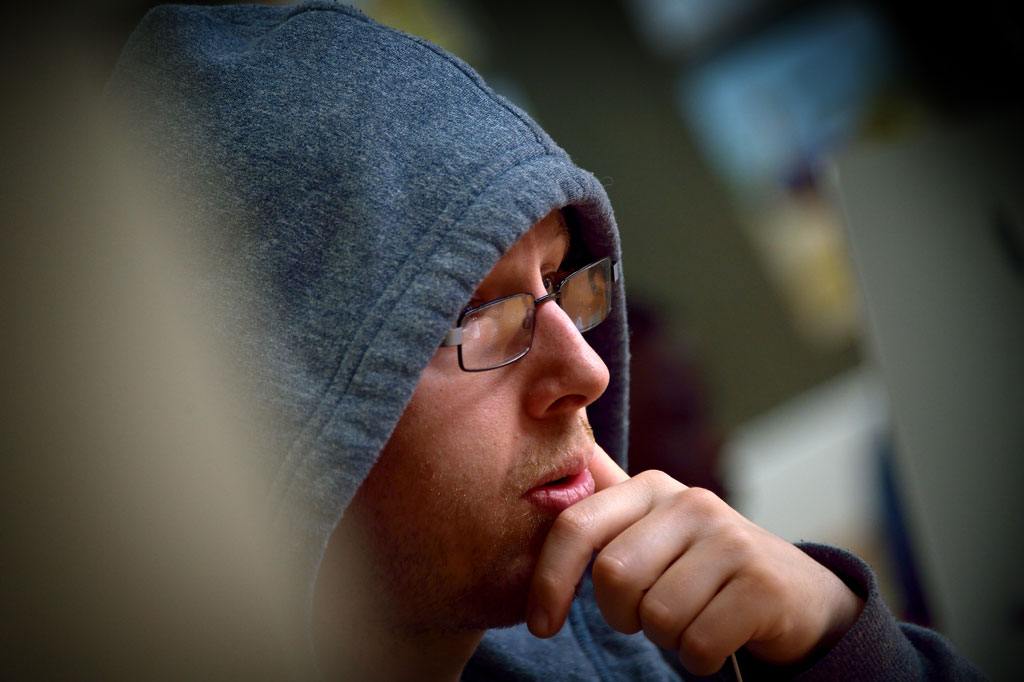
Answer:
(579, 531)
(605, 471)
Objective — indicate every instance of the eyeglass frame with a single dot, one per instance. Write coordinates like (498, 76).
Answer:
(454, 335)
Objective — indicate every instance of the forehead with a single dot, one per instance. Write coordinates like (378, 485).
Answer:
(549, 234)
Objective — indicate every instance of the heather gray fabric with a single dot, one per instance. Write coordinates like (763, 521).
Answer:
(352, 185)
(348, 187)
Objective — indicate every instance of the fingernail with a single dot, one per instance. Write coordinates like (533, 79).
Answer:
(539, 621)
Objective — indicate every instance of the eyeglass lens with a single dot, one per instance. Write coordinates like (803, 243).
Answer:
(497, 333)
(586, 297)
(501, 332)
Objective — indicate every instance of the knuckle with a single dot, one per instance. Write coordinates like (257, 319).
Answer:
(611, 572)
(658, 623)
(546, 583)
(655, 478)
(699, 653)
(615, 593)
(574, 524)
(546, 578)
(695, 644)
(703, 501)
(737, 543)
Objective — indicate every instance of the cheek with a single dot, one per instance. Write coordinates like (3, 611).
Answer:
(462, 411)
(445, 486)
(457, 436)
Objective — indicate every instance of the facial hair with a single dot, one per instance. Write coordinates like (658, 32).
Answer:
(464, 563)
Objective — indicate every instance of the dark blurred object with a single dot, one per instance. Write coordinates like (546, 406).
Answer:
(934, 221)
(670, 427)
(133, 534)
(964, 59)
(899, 539)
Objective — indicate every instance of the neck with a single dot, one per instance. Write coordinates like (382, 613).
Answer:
(361, 651)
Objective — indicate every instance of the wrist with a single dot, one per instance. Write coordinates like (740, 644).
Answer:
(846, 608)
(825, 613)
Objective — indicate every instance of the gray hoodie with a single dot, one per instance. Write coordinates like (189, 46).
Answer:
(350, 186)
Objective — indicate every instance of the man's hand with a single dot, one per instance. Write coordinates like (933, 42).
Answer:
(688, 570)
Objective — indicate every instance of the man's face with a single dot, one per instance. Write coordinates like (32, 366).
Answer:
(444, 516)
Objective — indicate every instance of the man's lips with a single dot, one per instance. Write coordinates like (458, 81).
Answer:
(563, 487)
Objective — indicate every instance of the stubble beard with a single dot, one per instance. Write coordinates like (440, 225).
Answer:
(444, 560)
(489, 592)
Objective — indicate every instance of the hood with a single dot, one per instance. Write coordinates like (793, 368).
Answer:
(350, 186)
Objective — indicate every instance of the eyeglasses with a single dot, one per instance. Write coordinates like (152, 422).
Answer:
(500, 332)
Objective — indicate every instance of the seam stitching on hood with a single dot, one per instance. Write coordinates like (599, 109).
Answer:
(326, 411)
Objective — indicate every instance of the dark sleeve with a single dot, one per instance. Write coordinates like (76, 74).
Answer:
(877, 647)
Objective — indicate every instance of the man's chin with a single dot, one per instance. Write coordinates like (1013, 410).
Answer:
(490, 592)
(498, 602)
(518, 570)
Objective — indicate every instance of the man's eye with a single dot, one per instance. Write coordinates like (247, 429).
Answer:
(553, 279)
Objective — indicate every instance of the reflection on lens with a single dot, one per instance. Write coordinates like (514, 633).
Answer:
(586, 296)
(498, 332)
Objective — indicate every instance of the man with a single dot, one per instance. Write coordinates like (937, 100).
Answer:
(459, 555)
(427, 294)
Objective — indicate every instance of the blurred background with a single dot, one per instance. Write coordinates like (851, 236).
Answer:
(822, 217)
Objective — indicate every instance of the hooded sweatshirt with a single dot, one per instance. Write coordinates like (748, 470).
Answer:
(350, 185)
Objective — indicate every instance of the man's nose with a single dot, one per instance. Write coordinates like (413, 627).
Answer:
(566, 374)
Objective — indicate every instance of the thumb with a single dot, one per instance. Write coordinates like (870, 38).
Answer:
(605, 471)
